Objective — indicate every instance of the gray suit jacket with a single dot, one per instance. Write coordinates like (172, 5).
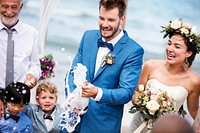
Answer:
(34, 112)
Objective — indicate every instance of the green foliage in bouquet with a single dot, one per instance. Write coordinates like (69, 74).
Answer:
(152, 103)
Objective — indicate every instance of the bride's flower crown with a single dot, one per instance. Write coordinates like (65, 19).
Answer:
(177, 26)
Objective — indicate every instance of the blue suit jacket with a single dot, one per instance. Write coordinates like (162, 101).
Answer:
(117, 81)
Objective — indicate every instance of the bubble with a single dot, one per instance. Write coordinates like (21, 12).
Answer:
(14, 128)
(62, 49)
(24, 92)
(7, 115)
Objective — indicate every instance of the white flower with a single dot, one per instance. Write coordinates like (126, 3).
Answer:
(154, 90)
(184, 31)
(141, 87)
(152, 106)
(194, 31)
(186, 26)
(176, 24)
(190, 39)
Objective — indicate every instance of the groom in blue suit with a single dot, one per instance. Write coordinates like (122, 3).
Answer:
(113, 70)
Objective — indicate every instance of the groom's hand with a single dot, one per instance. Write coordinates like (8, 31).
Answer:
(89, 90)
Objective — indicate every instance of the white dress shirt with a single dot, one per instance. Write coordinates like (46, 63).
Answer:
(49, 123)
(26, 52)
(102, 52)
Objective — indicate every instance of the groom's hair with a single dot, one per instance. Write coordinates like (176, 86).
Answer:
(110, 4)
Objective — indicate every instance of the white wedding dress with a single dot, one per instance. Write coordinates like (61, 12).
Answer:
(179, 94)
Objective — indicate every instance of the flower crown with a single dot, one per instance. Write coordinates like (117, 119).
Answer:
(177, 26)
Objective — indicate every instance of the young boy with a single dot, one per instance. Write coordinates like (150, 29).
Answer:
(45, 114)
(16, 96)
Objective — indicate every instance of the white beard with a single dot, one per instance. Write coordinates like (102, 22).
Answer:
(9, 22)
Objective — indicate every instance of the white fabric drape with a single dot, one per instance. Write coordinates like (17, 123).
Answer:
(46, 10)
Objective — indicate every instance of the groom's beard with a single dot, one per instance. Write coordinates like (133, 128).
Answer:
(113, 31)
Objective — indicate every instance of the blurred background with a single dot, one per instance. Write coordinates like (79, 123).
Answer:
(70, 19)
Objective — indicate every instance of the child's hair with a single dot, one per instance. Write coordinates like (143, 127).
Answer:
(46, 86)
(17, 92)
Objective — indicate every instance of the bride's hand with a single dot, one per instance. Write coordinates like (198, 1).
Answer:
(133, 99)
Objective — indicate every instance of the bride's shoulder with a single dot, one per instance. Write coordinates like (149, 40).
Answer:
(194, 79)
(193, 75)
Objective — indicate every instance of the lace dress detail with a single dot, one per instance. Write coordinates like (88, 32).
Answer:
(179, 94)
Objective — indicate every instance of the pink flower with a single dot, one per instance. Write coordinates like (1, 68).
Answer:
(152, 106)
(154, 97)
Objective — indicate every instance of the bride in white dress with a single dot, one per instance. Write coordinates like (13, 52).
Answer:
(174, 73)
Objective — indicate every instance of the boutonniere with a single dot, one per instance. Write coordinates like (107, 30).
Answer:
(109, 59)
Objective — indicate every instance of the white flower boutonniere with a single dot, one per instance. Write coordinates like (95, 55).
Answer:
(109, 59)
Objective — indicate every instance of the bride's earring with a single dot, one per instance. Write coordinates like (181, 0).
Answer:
(186, 64)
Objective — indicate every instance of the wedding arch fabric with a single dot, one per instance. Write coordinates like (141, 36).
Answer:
(46, 9)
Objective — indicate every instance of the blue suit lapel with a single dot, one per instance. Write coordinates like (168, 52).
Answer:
(93, 55)
(117, 48)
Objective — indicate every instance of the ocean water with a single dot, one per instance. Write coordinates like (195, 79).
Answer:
(71, 18)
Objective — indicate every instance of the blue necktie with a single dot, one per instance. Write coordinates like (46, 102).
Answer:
(101, 43)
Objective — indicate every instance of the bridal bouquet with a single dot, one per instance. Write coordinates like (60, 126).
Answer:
(47, 65)
(75, 105)
(152, 103)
